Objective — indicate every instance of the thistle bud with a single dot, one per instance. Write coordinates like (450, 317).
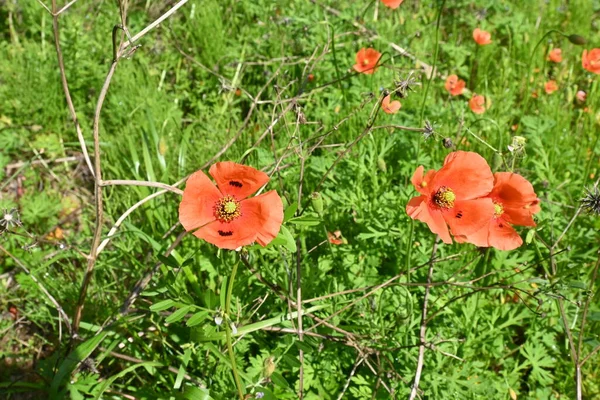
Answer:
(447, 142)
(577, 40)
(317, 202)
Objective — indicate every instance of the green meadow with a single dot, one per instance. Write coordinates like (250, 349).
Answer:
(107, 107)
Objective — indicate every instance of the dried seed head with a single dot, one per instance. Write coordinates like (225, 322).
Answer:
(447, 142)
(591, 201)
(428, 130)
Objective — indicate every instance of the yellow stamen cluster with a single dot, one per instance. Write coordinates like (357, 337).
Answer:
(444, 197)
(227, 209)
(498, 209)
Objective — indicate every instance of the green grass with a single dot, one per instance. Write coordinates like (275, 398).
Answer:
(494, 325)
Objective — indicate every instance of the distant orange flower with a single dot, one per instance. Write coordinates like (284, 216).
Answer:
(451, 197)
(591, 60)
(581, 96)
(390, 107)
(335, 238)
(481, 37)
(454, 85)
(555, 55)
(515, 202)
(477, 104)
(310, 77)
(393, 4)
(224, 215)
(550, 87)
(366, 61)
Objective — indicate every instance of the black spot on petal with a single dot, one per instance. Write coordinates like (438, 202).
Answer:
(236, 184)
(459, 215)
(225, 233)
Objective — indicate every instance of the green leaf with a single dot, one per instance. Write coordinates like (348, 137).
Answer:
(279, 380)
(178, 315)
(305, 221)
(72, 360)
(290, 211)
(162, 305)
(98, 390)
(196, 393)
(197, 318)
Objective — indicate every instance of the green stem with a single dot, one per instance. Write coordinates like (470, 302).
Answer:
(236, 377)
(527, 96)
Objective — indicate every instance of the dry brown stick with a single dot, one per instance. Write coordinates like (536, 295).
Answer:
(65, 85)
(116, 182)
(359, 360)
(422, 331)
(97, 199)
(62, 314)
(299, 308)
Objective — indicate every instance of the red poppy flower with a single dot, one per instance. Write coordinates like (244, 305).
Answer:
(390, 107)
(477, 104)
(393, 4)
(591, 60)
(550, 87)
(366, 61)
(455, 86)
(515, 202)
(451, 197)
(555, 55)
(223, 215)
(481, 37)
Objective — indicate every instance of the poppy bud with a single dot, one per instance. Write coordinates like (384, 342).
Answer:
(381, 164)
(577, 40)
(317, 202)
(447, 142)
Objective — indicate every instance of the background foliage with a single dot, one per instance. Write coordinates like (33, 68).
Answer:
(253, 71)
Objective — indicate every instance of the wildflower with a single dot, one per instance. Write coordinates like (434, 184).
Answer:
(591, 60)
(591, 201)
(481, 37)
(310, 77)
(454, 85)
(515, 202)
(335, 238)
(550, 87)
(477, 104)
(390, 107)
(555, 55)
(393, 4)
(223, 215)
(517, 145)
(581, 96)
(366, 60)
(451, 197)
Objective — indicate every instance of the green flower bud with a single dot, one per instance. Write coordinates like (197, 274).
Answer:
(381, 164)
(317, 202)
(577, 40)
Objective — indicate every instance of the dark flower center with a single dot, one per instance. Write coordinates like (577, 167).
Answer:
(444, 197)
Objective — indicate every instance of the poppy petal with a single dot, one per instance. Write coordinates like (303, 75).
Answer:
(467, 174)
(267, 211)
(479, 238)
(468, 216)
(517, 197)
(237, 180)
(199, 197)
(420, 182)
(417, 208)
(503, 236)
